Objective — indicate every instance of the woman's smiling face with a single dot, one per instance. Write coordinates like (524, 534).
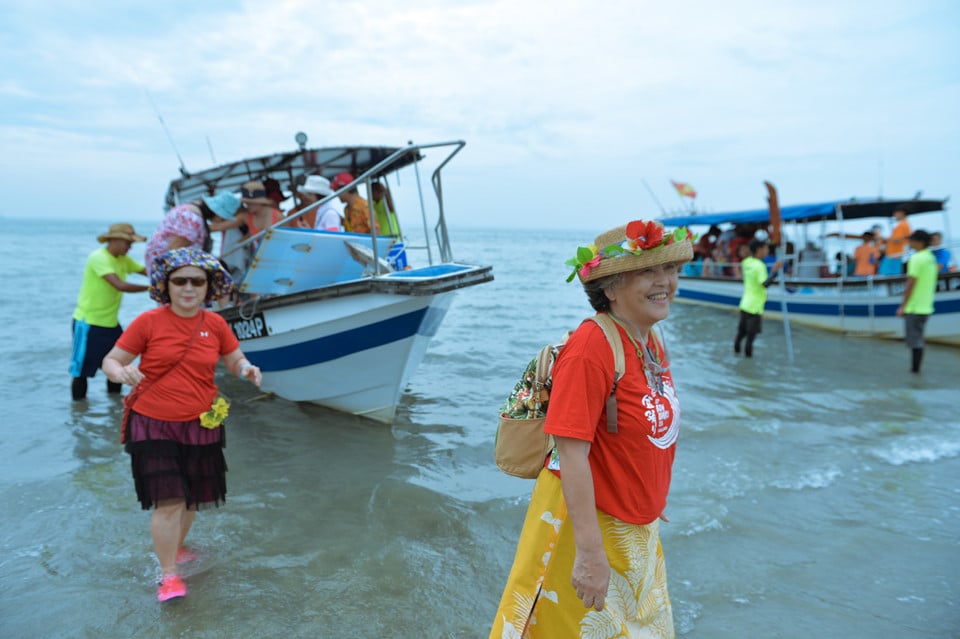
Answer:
(186, 297)
(643, 297)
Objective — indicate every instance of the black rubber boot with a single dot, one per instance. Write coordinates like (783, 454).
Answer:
(917, 358)
(79, 388)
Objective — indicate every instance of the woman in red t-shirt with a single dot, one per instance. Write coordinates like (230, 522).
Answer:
(175, 431)
(590, 540)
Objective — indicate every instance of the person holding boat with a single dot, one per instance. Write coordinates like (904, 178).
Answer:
(191, 224)
(755, 282)
(589, 552)
(918, 295)
(96, 326)
(174, 433)
(356, 210)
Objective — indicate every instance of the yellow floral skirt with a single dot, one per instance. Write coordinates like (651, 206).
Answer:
(539, 599)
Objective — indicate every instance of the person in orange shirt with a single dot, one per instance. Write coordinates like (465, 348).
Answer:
(866, 256)
(356, 210)
(892, 263)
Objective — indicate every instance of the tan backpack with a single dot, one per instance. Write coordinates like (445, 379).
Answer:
(521, 446)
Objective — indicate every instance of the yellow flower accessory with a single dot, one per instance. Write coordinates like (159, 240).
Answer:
(217, 413)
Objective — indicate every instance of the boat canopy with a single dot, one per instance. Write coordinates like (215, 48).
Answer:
(286, 167)
(846, 210)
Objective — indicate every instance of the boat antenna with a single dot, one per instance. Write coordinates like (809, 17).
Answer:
(663, 211)
(183, 169)
(209, 146)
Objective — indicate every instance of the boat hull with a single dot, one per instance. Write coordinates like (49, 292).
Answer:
(351, 347)
(865, 307)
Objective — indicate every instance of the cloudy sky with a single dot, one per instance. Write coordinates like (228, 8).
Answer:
(568, 107)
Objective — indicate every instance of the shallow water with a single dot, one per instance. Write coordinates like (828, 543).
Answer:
(815, 499)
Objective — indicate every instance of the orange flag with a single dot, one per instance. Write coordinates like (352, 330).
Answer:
(684, 189)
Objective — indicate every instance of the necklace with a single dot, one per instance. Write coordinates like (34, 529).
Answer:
(653, 367)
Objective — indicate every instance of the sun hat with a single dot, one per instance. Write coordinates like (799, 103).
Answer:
(254, 192)
(634, 246)
(342, 179)
(224, 205)
(220, 282)
(316, 184)
(121, 231)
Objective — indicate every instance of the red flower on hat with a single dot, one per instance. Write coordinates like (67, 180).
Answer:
(644, 235)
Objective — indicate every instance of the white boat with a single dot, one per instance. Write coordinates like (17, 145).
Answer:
(811, 294)
(324, 314)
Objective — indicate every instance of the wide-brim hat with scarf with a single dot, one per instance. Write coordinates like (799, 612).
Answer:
(219, 282)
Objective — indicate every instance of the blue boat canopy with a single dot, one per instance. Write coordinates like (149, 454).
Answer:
(846, 210)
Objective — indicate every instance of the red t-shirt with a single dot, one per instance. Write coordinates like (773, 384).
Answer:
(160, 337)
(632, 467)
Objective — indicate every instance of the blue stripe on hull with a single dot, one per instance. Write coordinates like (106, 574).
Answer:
(355, 340)
(883, 309)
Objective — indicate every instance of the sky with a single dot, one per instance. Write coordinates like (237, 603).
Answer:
(576, 115)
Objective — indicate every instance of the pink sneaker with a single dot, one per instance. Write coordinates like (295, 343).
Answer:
(171, 587)
(185, 556)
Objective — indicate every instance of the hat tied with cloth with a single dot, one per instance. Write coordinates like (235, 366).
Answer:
(223, 205)
(219, 282)
(316, 184)
(634, 246)
(121, 231)
(254, 192)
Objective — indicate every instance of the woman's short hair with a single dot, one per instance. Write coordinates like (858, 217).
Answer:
(596, 291)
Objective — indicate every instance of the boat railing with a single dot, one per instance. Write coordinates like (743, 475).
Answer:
(440, 233)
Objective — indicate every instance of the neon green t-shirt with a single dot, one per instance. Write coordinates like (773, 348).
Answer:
(922, 266)
(99, 302)
(754, 294)
(387, 221)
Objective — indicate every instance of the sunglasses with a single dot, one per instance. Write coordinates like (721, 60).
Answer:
(182, 281)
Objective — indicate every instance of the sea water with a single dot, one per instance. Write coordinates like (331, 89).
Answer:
(814, 499)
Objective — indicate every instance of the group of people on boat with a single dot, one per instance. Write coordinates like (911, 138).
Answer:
(877, 255)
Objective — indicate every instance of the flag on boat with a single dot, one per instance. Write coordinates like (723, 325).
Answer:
(684, 189)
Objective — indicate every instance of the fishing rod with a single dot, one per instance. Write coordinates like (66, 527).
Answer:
(663, 211)
(183, 168)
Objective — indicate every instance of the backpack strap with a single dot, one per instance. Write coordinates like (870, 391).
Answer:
(610, 330)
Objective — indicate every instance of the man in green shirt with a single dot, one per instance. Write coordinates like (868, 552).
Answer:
(95, 324)
(755, 283)
(918, 295)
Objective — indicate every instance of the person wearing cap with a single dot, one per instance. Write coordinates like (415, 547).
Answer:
(95, 319)
(918, 294)
(189, 225)
(356, 210)
(263, 211)
(756, 280)
(327, 216)
(174, 434)
(590, 539)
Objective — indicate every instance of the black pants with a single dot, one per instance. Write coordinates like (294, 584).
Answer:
(750, 326)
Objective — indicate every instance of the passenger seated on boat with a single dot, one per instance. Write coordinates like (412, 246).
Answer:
(896, 244)
(356, 210)
(713, 263)
(940, 252)
(383, 209)
(263, 211)
(705, 246)
(325, 218)
(813, 262)
(866, 257)
(743, 252)
(189, 225)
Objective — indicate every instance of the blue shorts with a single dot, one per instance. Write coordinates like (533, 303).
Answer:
(90, 345)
